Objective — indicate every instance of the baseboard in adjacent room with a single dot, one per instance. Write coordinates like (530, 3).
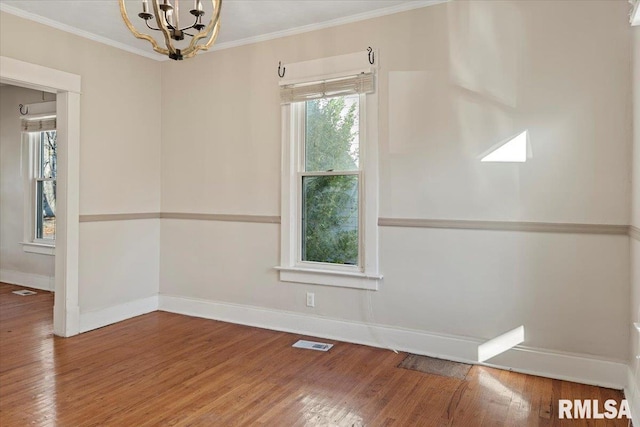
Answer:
(564, 366)
(95, 319)
(35, 281)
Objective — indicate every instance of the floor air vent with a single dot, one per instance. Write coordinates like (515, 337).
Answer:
(24, 292)
(311, 345)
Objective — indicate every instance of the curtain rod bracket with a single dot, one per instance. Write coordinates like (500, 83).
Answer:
(284, 70)
(23, 113)
(372, 55)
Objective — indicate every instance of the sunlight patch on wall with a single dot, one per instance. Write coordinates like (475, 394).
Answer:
(514, 150)
(500, 344)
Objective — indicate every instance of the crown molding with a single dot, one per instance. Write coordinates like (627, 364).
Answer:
(404, 7)
(81, 33)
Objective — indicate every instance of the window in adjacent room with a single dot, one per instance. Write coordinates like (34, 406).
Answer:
(329, 213)
(44, 182)
(40, 173)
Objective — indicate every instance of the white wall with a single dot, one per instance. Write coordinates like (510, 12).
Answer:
(454, 80)
(119, 157)
(16, 266)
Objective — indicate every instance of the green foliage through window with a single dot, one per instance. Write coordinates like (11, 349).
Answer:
(330, 211)
(46, 174)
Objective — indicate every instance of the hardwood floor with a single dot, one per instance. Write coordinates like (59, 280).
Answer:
(164, 369)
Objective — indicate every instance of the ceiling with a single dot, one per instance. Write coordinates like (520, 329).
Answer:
(242, 21)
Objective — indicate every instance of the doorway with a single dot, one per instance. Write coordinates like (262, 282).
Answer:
(28, 187)
(66, 86)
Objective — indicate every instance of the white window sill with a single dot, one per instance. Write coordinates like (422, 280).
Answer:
(342, 279)
(39, 248)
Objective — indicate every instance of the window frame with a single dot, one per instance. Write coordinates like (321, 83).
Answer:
(292, 269)
(38, 165)
(33, 154)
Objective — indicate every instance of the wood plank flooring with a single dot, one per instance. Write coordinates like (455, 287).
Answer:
(164, 369)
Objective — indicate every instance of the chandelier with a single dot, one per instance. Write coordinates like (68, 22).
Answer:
(165, 18)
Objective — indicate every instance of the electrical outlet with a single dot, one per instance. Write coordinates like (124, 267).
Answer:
(311, 299)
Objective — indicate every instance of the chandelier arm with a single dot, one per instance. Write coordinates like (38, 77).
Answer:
(137, 34)
(205, 46)
(211, 30)
(166, 20)
(214, 36)
(150, 27)
(190, 54)
(191, 26)
(171, 50)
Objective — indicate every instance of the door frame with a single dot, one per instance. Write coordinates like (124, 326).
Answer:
(67, 87)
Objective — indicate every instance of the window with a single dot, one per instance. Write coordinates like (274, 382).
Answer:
(40, 178)
(329, 181)
(44, 182)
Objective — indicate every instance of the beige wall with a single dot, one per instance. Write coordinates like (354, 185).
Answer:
(454, 80)
(14, 262)
(119, 154)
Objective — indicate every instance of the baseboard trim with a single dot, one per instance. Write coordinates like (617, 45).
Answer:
(35, 281)
(571, 367)
(106, 316)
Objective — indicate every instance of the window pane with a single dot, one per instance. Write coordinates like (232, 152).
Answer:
(46, 210)
(331, 134)
(330, 219)
(48, 157)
